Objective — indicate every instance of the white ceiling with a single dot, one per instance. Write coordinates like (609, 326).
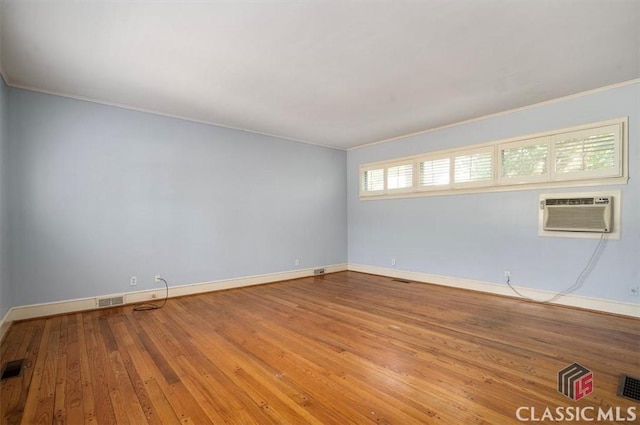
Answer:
(337, 73)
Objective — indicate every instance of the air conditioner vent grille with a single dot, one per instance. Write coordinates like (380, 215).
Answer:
(569, 201)
(582, 214)
(577, 218)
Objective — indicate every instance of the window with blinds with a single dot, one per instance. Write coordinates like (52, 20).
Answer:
(400, 177)
(592, 154)
(373, 181)
(434, 173)
(524, 162)
(473, 167)
(587, 153)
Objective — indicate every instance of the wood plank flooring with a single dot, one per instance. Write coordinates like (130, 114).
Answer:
(344, 348)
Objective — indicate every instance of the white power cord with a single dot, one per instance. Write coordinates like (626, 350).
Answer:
(579, 280)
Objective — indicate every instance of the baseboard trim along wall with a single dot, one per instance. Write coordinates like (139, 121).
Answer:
(153, 295)
(588, 303)
(4, 324)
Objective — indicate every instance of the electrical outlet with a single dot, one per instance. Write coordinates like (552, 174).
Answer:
(157, 278)
(297, 262)
(393, 261)
(507, 275)
(133, 281)
(634, 291)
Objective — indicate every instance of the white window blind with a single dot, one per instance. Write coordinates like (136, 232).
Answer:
(474, 167)
(373, 180)
(594, 152)
(400, 176)
(524, 162)
(434, 172)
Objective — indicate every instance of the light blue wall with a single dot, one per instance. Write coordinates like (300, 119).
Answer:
(100, 194)
(478, 236)
(6, 298)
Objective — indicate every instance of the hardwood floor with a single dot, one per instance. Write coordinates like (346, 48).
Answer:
(345, 348)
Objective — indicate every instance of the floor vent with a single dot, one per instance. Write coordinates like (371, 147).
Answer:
(12, 369)
(108, 302)
(401, 280)
(629, 388)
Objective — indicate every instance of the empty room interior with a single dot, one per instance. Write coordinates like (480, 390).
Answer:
(319, 212)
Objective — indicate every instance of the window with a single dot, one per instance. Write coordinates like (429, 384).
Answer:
(587, 153)
(434, 173)
(591, 154)
(473, 168)
(389, 179)
(400, 177)
(524, 162)
(373, 181)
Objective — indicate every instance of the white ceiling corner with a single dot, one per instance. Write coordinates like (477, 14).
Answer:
(336, 73)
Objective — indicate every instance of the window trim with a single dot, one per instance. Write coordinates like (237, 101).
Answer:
(496, 184)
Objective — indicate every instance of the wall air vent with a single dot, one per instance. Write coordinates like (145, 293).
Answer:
(109, 302)
(581, 214)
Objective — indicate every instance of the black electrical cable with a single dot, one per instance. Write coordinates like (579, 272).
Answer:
(579, 280)
(147, 306)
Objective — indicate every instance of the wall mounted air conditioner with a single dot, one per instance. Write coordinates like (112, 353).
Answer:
(580, 214)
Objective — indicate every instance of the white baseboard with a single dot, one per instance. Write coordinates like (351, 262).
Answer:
(70, 306)
(5, 323)
(598, 304)
(80, 304)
